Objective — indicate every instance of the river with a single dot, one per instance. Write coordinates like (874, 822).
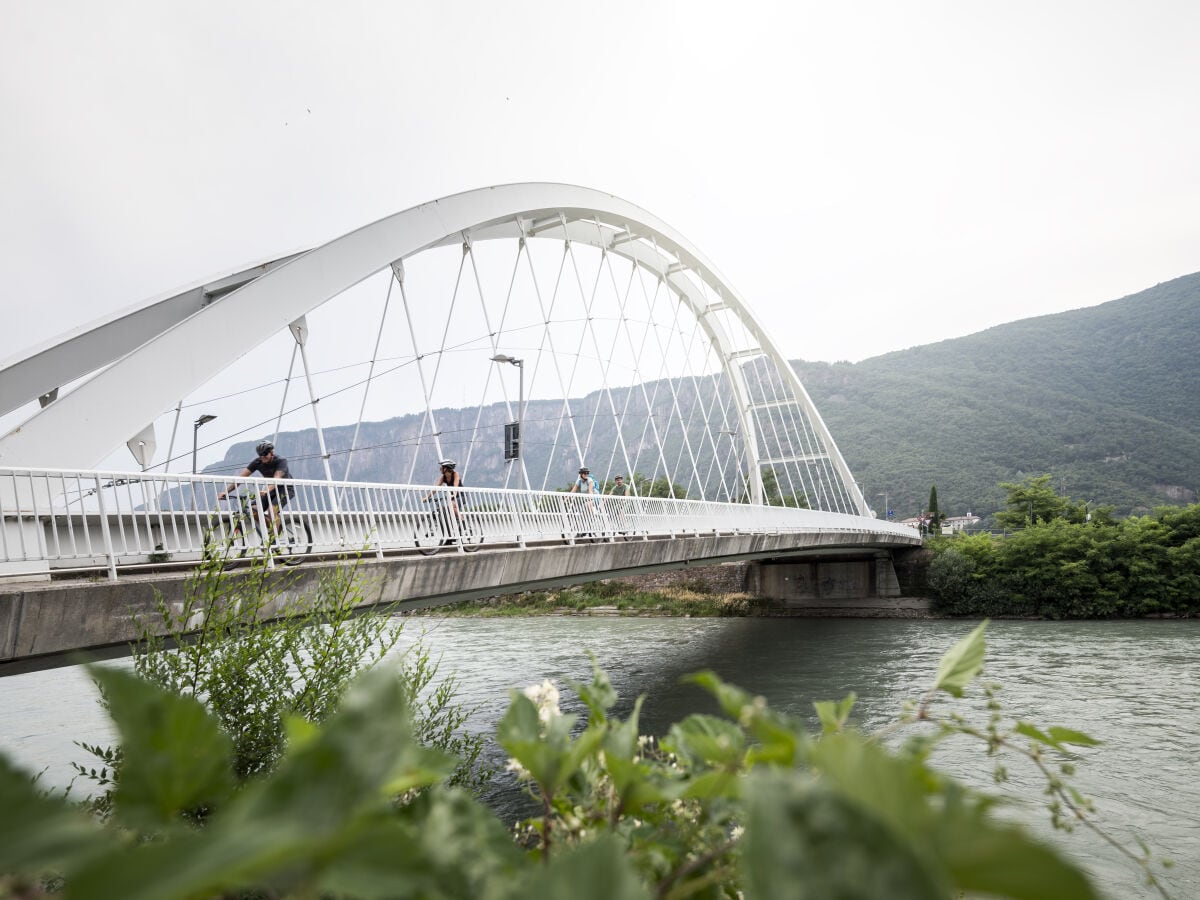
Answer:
(1132, 685)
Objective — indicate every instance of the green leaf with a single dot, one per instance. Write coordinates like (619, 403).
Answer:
(600, 695)
(40, 833)
(176, 758)
(732, 699)
(294, 824)
(711, 785)
(581, 749)
(1070, 736)
(596, 871)
(961, 663)
(444, 845)
(707, 739)
(833, 716)
(520, 734)
(1057, 738)
(806, 840)
(1003, 860)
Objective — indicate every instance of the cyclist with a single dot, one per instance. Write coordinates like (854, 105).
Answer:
(620, 488)
(586, 484)
(272, 467)
(449, 478)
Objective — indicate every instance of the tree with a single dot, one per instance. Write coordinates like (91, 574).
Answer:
(773, 495)
(1031, 501)
(935, 517)
(659, 487)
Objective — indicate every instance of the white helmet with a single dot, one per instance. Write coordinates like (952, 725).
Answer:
(448, 464)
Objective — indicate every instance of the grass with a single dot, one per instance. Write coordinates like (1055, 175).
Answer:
(608, 598)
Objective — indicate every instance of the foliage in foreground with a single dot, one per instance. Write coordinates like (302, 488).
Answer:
(748, 804)
(256, 652)
(1102, 568)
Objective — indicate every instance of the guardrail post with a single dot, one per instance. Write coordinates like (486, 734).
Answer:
(374, 525)
(513, 500)
(106, 533)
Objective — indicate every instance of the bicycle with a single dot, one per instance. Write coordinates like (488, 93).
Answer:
(439, 532)
(234, 536)
(583, 520)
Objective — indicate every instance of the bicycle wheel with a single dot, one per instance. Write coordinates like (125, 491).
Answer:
(226, 541)
(428, 539)
(294, 541)
(470, 536)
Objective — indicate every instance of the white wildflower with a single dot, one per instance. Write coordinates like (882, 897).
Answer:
(545, 697)
(514, 766)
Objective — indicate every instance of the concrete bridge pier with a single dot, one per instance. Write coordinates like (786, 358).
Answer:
(850, 585)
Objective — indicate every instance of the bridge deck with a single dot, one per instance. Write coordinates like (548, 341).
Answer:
(48, 624)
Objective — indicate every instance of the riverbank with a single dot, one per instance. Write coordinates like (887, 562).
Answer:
(685, 598)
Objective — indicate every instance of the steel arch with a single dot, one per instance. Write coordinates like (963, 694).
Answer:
(81, 428)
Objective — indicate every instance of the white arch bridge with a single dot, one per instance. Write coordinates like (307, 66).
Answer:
(372, 356)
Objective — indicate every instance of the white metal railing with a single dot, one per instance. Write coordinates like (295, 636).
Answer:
(52, 521)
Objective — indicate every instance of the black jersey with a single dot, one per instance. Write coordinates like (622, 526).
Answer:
(270, 469)
(277, 468)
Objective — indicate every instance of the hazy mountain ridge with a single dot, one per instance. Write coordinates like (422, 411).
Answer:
(1107, 399)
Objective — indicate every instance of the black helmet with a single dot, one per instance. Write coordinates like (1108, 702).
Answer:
(584, 470)
(448, 464)
(264, 447)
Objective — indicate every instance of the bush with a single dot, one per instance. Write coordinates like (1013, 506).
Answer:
(1059, 569)
(255, 655)
(950, 578)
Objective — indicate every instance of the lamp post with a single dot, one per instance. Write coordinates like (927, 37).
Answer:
(886, 514)
(203, 420)
(520, 364)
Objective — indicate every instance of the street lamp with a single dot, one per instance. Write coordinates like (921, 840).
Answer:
(520, 364)
(203, 420)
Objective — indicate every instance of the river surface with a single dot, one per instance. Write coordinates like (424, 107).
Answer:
(1133, 685)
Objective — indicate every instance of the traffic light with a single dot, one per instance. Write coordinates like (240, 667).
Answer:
(512, 441)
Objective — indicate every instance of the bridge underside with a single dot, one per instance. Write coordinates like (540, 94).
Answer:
(45, 626)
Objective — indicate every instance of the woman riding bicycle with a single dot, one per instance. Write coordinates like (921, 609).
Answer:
(449, 478)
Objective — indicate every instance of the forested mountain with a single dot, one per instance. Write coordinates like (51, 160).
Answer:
(1107, 399)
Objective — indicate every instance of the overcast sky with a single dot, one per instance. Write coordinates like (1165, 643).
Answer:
(870, 176)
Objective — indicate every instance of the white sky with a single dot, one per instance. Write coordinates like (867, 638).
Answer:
(870, 176)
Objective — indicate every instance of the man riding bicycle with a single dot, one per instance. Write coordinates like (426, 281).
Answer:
(271, 467)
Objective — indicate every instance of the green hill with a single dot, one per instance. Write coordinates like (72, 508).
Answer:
(1106, 399)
